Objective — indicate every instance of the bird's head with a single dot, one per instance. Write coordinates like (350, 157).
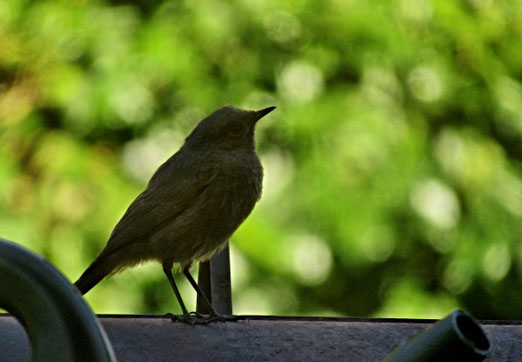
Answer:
(227, 128)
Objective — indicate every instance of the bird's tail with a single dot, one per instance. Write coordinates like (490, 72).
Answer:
(95, 273)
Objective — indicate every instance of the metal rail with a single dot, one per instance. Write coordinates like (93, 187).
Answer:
(261, 338)
(214, 281)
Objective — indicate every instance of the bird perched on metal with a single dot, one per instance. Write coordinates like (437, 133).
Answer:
(191, 205)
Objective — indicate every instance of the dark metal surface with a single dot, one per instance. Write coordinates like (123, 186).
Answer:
(220, 282)
(153, 338)
(204, 285)
(214, 281)
(59, 324)
(458, 337)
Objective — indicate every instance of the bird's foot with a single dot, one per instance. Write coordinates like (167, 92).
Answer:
(188, 318)
(194, 318)
(214, 317)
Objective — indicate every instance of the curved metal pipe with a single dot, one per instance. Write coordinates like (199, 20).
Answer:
(60, 325)
(458, 337)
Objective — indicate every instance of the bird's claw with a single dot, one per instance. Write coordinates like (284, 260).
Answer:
(189, 318)
(194, 318)
(214, 317)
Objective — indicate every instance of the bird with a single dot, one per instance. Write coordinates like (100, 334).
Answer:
(191, 205)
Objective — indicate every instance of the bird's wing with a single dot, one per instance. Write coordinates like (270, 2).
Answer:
(175, 186)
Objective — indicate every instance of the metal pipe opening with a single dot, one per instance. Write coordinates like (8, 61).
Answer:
(471, 332)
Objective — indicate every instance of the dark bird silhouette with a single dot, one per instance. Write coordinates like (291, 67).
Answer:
(191, 205)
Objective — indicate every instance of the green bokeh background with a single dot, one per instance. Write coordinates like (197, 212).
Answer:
(393, 161)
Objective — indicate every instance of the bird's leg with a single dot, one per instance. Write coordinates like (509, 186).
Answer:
(186, 318)
(198, 289)
(213, 316)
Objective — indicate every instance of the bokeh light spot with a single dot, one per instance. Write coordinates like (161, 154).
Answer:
(436, 203)
(457, 276)
(282, 26)
(497, 261)
(416, 10)
(425, 84)
(142, 157)
(133, 103)
(239, 270)
(311, 259)
(279, 170)
(300, 81)
(378, 244)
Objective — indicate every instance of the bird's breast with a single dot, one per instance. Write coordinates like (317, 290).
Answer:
(237, 188)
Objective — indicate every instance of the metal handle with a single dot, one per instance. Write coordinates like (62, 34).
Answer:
(60, 325)
(214, 281)
(458, 337)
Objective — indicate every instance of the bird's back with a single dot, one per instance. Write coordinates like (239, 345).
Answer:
(190, 207)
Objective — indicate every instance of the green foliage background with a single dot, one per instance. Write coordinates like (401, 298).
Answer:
(393, 161)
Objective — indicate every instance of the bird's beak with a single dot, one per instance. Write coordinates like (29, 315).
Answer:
(264, 112)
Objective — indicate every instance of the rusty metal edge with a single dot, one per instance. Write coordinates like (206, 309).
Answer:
(307, 319)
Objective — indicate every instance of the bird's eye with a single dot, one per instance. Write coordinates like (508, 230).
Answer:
(235, 129)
